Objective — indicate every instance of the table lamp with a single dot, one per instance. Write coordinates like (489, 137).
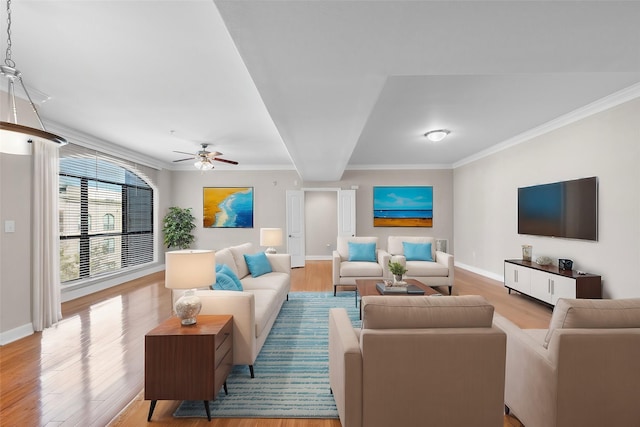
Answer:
(270, 237)
(189, 269)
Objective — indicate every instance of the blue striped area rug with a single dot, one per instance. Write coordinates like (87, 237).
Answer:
(292, 369)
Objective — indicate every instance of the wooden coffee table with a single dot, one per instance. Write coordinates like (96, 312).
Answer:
(366, 287)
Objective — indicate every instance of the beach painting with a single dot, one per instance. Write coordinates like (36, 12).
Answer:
(228, 207)
(403, 206)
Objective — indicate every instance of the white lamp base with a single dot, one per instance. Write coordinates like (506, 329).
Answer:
(270, 251)
(187, 308)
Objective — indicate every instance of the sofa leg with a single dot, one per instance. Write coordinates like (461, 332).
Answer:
(450, 288)
(251, 371)
(287, 297)
(334, 290)
(506, 410)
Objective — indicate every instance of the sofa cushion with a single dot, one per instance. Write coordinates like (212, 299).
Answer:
(224, 256)
(395, 247)
(426, 269)
(360, 269)
(594, 314)
(418, 312)
(362, 252)
(417, 251)
(238, 256)
(258, 264)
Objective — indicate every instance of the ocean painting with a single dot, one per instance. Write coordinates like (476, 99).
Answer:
(228, 207)
(403, 206)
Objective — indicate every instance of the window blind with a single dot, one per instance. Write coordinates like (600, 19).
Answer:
(106, 215)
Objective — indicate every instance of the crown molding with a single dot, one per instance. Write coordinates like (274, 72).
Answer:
(603, 104)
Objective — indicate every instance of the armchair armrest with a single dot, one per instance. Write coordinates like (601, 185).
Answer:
(383, 259)
(447, 260)
(530, 376)
(280, 262)
(345, 367)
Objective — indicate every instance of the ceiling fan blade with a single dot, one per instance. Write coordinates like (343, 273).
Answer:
(182, 160)
(232, 162)
(182, 152)
(212, 154)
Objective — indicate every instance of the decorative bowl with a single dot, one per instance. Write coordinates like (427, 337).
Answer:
(543, 260)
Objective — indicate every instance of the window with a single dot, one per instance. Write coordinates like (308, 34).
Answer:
(93, 185)
(108, 222)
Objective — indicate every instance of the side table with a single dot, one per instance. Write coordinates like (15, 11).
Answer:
(188, 362)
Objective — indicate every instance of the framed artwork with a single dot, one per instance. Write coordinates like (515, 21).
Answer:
(403, 206)
(227, 207)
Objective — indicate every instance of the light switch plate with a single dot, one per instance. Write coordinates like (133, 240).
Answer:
(9, 226)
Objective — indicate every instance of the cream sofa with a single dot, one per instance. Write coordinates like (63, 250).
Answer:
(254, 309)
(418, 361)
(346, 272)
(438, 272)
(582, 371)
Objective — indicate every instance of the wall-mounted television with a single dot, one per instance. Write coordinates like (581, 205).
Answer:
(566, 209)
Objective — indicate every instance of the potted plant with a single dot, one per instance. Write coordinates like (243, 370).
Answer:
(397, 270)
(177, 227)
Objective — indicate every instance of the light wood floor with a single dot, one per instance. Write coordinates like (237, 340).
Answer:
(89, 369)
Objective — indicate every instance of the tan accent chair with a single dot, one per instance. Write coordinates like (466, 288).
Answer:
(418, 361)
(438, 272)
(346, 272)
(583, 371)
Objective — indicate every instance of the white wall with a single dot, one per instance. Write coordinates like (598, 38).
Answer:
(606, 145)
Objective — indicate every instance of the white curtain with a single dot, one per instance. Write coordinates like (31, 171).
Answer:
(46, 302)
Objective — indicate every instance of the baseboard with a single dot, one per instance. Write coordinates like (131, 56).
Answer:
(16, 334)
(318, 257)
(479, 271)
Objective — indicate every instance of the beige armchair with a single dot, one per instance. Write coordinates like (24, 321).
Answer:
(418, 361)
(583, 371)
(345, 271)
(438, 272)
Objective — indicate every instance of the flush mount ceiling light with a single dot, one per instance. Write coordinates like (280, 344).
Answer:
(14, 137)
(437, 135)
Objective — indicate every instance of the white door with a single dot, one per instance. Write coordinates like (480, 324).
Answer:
(295, 227)
(347, 213)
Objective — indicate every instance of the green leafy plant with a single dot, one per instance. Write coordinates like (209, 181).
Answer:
(396, 268)
(177, 227)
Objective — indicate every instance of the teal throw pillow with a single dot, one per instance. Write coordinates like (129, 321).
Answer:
(362, 251)
(225, 283)
(417, 251)
(227, 271)
(258, 264)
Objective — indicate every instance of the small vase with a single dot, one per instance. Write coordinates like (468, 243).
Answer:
(397, 278)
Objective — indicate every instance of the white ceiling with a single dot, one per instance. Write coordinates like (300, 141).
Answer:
(319, 86)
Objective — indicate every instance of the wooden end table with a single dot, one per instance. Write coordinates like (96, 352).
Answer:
(188, 362)
(366, 287)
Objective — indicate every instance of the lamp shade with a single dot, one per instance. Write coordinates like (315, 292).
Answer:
(270, 236)
(188, 269)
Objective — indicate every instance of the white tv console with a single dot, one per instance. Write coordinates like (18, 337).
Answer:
(547, 283)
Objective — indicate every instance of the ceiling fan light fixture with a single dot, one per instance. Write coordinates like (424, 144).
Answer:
(14, 137)
(437, 135)
(203, 164)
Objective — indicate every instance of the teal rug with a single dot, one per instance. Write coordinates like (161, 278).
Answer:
(292, 369)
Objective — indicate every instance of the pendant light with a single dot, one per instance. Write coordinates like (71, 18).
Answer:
(14, 137)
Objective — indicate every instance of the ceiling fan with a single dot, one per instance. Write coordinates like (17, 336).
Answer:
(204, 158)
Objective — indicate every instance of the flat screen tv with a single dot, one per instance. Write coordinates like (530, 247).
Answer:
(566, 209)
